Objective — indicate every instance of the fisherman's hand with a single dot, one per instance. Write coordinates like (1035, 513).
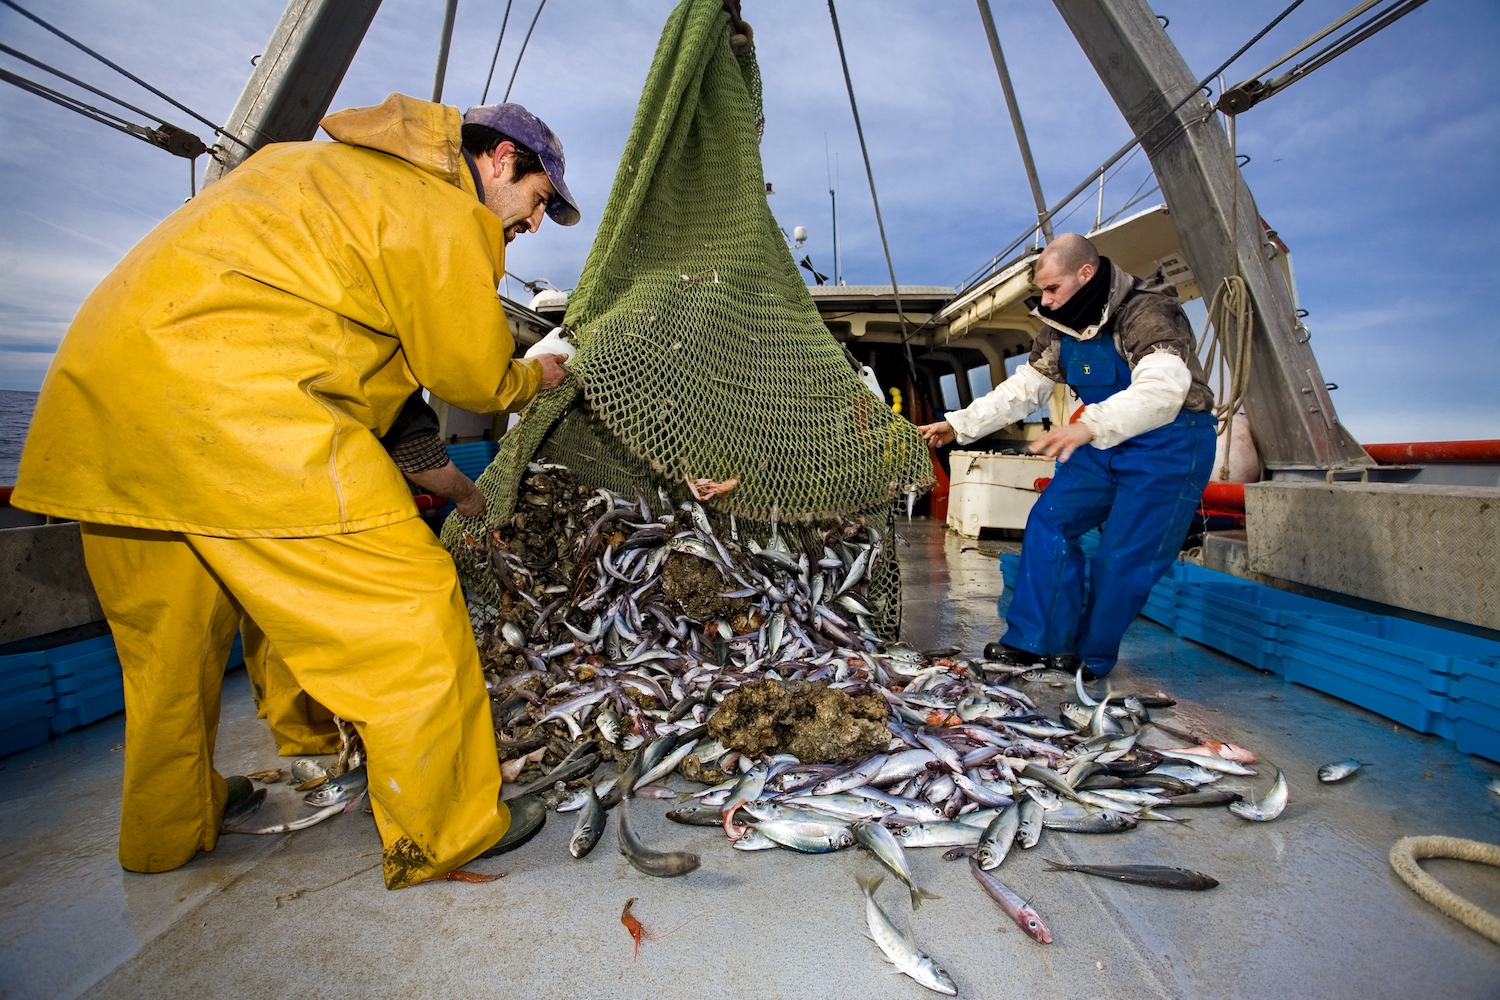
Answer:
(1061, 442)
(937, 434)
(471, 503)
(553, 371)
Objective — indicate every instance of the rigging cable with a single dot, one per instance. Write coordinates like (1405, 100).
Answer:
(494, 58)
(450, 11)
(120, 69)
(77, 82)
(524, 42)
(177, 141)
(864, 151)
(1245, 95)
(1089, 180)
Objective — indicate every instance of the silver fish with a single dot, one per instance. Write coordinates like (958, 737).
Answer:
(995, 841)
(608, 722)
(341, 789)
(856, 571)
(590, 825)
(754, 840)
(1190, 773)
(942, 833)
(903, 765)
(808, 836)
(1267, 808)
(1031, 823)
(1076, 819)
(1337, 771)
(899, 948)
(305, 770)
(1210, 763)
(659, 864)
(576, 800)
(667, 765)
(513, 635)
(880, 842)
(856, 776)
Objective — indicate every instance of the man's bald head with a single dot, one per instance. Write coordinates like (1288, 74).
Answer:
(1064, 267)
(1070, 252)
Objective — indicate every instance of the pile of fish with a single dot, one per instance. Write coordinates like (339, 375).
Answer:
(625, 621)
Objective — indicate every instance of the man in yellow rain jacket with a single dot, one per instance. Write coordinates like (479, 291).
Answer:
(212, 420)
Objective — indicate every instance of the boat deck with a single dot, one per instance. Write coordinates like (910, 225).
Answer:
(1307, 906)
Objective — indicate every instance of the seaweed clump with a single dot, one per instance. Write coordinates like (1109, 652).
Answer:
(811, 721)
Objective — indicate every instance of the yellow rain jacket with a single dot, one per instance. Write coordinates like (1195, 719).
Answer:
(231, 376)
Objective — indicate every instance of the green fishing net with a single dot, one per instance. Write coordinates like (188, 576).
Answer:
(701, 353)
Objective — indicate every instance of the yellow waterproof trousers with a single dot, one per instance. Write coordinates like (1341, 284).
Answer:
(371, 624)
(298, 724)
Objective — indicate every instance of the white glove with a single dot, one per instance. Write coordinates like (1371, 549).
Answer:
(554, 343)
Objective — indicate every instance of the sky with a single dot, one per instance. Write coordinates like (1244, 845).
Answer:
(1378, 170)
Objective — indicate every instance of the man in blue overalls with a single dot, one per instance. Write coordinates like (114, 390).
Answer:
(1135, 462)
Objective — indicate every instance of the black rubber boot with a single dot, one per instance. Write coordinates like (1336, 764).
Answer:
(1070, 664)
(527, 814)
(999, 652)
(244, 799)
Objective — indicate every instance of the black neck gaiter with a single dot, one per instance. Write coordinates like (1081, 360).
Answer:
(1086, 307)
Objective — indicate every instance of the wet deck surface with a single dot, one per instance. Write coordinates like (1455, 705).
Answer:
(1308, 905)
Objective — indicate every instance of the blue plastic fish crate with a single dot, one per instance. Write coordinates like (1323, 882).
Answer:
(1474, 698)
(1242, 618)
(473, 457)
(89, 683)
(86, 676)
(1161, 603)
(1400, 669)
(1010, 568)
(26, 701)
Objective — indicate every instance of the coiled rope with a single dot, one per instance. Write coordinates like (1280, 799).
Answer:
(1404, 857)
(1230, 310)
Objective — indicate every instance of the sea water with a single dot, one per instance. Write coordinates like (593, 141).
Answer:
(15, 417)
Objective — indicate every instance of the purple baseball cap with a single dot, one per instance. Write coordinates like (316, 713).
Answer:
(533, 133)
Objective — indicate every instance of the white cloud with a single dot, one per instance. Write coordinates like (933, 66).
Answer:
(1377, 169)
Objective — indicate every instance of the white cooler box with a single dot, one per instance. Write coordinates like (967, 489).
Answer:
(992, 491)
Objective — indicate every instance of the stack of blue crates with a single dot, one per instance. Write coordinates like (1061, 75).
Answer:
(26, 701)
(1434, 680)
(54, 690)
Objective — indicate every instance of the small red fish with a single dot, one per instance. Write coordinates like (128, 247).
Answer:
(459, 875)
(634, 926)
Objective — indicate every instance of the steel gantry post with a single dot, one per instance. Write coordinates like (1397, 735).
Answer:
(295, 78)
(1291, 414)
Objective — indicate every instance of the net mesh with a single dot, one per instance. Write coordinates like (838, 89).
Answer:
(701, 353)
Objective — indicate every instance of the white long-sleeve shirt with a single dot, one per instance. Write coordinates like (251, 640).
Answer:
(1158, 387)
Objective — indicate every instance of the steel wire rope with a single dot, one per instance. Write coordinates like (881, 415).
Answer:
(1343, 44)
(78, 83)
(874, 198)
(495, 58)
(522, 54)
(218, 130)
(99, 115)
(1318, 37)
(1140, 133)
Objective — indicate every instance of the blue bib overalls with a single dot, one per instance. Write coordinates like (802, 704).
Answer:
(1143, 491)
